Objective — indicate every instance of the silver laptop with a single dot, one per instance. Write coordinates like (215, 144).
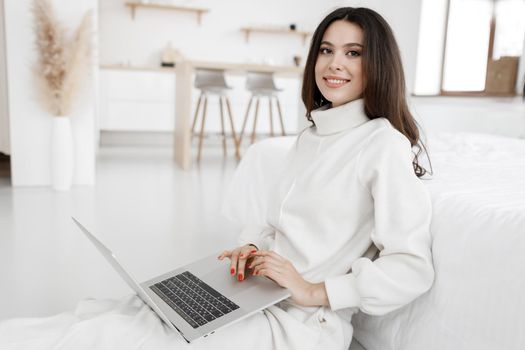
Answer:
(199, 298)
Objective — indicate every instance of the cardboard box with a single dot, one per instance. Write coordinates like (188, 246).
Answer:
(501, 75)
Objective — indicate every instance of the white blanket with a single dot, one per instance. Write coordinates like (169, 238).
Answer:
(126, 324)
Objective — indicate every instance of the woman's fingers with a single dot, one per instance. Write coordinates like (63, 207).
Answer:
(245, 254)
(258, 260)
(238, 259)
(267, 266)
(268, 253)
(261, 262)
(234, 257)
(273, 275)
(265, 255)
(271, 265)
(224, 254)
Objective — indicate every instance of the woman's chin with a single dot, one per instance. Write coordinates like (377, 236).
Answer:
(336, 102)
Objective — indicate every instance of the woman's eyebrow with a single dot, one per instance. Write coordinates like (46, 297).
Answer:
(345, 45)
(353, 44)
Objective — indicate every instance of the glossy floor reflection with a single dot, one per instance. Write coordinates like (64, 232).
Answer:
(153, 215)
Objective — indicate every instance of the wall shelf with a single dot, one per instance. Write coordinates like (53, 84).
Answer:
(135, 5)
(275, 30)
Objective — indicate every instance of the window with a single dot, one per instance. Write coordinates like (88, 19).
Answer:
(465, 45)
(510, 28)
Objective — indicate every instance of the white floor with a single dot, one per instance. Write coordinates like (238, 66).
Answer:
(153, 215)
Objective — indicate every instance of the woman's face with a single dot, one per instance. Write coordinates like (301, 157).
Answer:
(338, 69)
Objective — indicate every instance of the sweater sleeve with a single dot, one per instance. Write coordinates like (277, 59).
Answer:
(259, 235)
(402, 215)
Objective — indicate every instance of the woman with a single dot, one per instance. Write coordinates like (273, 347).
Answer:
(350, 185)
(350, 189)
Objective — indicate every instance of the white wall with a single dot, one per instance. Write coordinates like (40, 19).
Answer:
(490, 115)
(4, 122)
(218, 38)
(30, 124)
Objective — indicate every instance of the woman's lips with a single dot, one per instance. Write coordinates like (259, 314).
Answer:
(333, 82)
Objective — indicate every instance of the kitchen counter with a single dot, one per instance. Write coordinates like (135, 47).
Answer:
(231, 67)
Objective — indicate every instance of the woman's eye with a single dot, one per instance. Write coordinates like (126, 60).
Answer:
(354, 53)
(325, 50)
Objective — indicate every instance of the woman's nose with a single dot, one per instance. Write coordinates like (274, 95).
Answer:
(336, 63)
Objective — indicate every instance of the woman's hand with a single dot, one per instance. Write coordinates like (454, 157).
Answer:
(272, 265)
(239, 257)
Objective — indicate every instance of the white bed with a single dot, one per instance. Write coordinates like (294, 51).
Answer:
(478, 228)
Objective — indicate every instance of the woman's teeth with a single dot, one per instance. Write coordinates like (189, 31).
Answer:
(336, 81)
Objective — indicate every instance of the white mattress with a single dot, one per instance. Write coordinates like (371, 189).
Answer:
(478, 228)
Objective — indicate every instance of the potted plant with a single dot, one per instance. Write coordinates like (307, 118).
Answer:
(61, 69)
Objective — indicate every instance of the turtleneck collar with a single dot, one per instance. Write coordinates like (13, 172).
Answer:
(333, 120)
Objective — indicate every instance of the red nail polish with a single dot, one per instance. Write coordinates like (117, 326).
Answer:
(232, 271)
(240, 277)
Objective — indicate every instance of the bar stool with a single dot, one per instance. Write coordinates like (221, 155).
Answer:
(212, 82)
(261, 84)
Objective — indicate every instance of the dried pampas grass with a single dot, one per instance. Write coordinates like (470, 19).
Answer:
(62, 62)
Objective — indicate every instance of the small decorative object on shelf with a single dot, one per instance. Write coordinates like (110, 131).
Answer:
(63, 64)
(170, 56)
(293, 26)
(297, 60)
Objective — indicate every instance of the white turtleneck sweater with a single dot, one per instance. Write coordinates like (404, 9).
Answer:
(349, 185)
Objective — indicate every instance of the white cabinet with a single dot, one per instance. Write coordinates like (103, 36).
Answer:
(137, 100)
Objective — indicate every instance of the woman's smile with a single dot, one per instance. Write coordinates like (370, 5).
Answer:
(335, 82)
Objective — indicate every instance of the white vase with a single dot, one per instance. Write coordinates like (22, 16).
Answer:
(61, 154)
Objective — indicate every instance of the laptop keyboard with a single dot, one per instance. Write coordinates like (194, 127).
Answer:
(192, 299)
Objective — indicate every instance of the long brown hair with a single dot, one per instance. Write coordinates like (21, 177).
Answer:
(384, 91)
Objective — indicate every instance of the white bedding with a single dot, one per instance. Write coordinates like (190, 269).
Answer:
(126, 324)
(478, 195)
